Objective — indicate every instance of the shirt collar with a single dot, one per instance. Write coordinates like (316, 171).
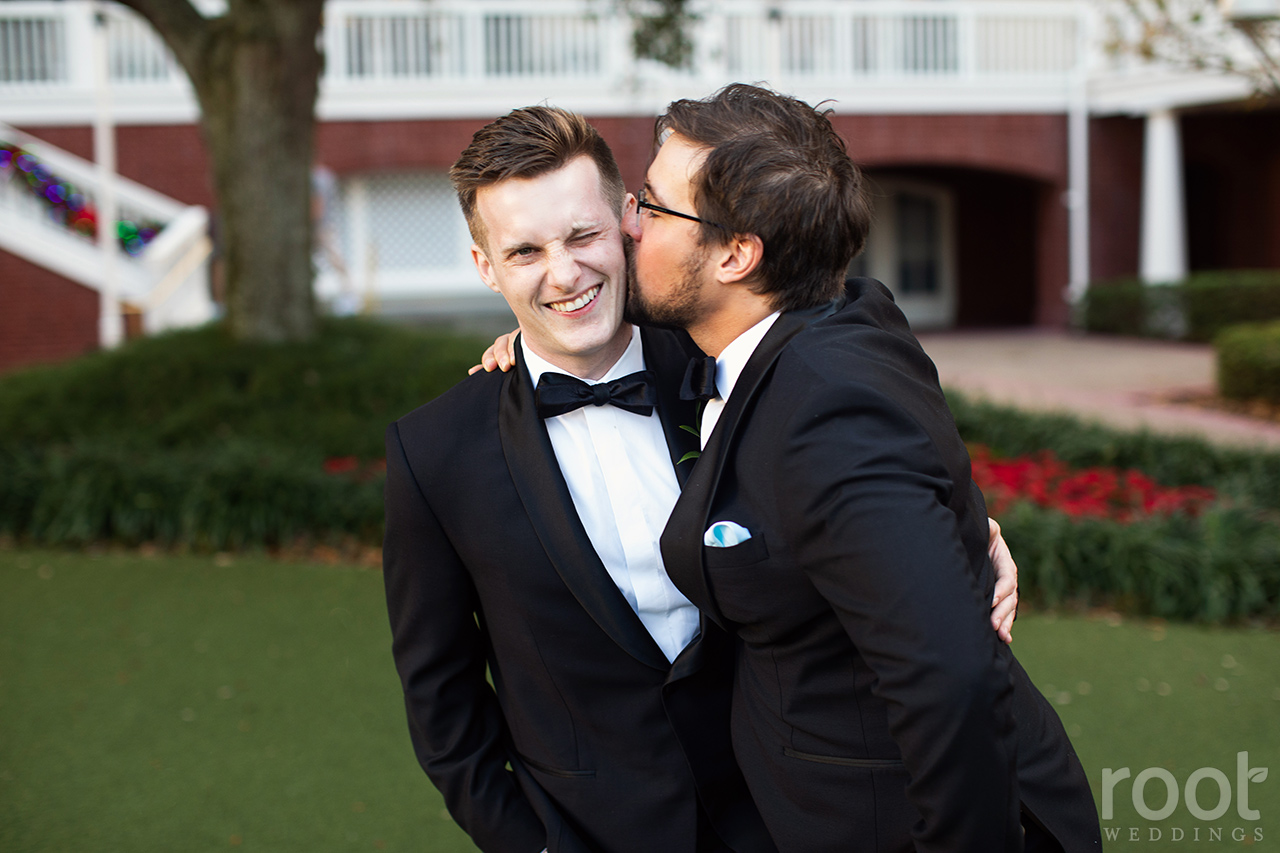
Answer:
(733, 358)
(631, 361)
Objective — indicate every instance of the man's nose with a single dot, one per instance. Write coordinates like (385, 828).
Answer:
(562, 268)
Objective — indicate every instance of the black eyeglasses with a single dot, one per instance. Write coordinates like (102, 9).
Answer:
(641, 204)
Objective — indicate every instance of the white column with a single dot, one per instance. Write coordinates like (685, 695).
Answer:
(110, 323)
(363, 261)
(1164, 241)
(1078, 193)
(1078, 202)
(78, 18)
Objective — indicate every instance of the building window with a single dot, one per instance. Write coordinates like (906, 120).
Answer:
(399, 236)
(919, 249)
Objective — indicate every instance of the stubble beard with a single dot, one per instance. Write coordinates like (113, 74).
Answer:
(679, 310)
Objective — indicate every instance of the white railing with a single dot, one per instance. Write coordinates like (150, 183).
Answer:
(459, 57)
(879, 40)
(419, 41)
(33, 44)
(166, 280)
(46, 44)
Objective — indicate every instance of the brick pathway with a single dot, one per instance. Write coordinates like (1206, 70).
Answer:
(1121, 382)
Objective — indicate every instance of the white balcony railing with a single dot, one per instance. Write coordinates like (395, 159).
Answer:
(166, 280)
(428, 58)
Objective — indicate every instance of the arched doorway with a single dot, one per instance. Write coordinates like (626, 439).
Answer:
(958, 247)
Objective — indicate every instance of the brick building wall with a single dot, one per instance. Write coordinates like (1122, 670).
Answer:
(43, 316)
(1009, 173)
(1115, 196)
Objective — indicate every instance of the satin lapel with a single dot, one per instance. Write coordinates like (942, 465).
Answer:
(692, 513)
(694, 656)
(668, 360)
(537, 477)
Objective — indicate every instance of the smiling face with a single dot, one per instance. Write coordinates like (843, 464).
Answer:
(554, 252)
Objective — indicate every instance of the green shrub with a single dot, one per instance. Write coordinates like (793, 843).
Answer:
(1114, 307)
(332, 396)
(1249, 362)
(1221, 567)
(1217, 300)
(192, 440)
(209, 498)
(1196, 309)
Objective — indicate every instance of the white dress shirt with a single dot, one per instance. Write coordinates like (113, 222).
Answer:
(729, 366)
(619, 472)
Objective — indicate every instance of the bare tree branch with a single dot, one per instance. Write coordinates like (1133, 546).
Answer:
(1196, 35)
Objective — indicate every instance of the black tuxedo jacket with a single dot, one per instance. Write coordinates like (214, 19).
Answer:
(874, 707)
(588, 738)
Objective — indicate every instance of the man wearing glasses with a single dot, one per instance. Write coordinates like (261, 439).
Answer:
(523, 516)
(831, 523)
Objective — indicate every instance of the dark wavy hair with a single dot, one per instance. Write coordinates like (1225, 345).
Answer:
(776, 168)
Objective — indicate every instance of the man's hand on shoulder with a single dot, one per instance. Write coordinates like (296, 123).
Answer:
(500, 356)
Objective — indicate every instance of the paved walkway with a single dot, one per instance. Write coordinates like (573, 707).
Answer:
(1122, 382)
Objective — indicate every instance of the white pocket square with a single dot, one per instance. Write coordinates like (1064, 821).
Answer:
(725, 534)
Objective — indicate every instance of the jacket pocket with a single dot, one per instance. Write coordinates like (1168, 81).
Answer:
(745, 553)
(869, 763)
(554, 771)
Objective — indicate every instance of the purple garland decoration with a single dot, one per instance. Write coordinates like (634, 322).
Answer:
(66, 204)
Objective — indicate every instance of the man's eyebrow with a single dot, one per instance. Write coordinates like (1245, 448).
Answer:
(580, 228)
(653, 196)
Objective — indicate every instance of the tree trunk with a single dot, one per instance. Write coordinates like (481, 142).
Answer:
(257, 87)
(256, 72)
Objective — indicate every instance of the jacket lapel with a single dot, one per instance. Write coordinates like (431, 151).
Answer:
(541, 486)
(682, 540)
(664, 355)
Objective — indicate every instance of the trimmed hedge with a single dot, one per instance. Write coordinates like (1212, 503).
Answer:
(1196, 309)
(208, 498)
(330, 396)
(191, 441)
(1223, 566)
(1249, 362)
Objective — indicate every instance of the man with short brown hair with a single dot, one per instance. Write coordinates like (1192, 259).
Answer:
(522, 530)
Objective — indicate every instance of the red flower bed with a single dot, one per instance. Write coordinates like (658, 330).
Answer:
(350, 465)
(1047, 481)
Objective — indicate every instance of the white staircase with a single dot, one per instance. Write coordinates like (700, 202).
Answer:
(166, 281)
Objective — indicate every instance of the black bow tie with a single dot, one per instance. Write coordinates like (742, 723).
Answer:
(699, 380)
(557, 393)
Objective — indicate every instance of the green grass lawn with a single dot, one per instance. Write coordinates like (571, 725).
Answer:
(194, 703)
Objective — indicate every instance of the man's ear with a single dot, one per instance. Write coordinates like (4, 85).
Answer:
(628, 223)
(483, 267)
(740, 258)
